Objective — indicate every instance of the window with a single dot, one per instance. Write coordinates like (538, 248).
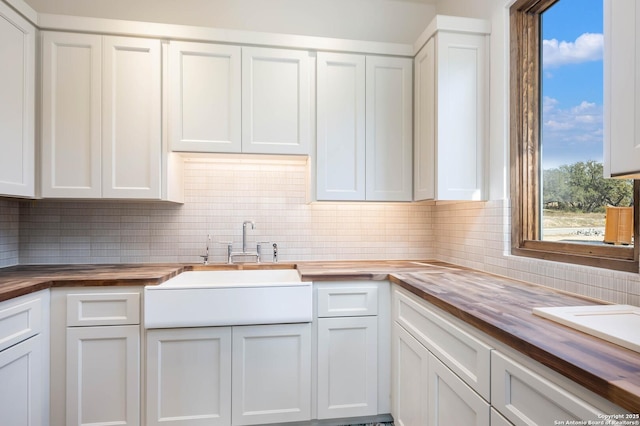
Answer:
(529, 235)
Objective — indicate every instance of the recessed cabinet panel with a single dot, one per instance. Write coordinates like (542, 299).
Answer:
(189, 376)
(389, 137)
(275, 101)
(341, 127)
(131, 133)
(71, 122)
(424, 152)
(205, 97)
(17, 104)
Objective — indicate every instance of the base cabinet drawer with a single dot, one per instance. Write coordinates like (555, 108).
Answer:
(20, 319)
(526, 398)
(498, 419)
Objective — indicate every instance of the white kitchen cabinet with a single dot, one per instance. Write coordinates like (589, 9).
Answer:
(276, 106)
(271, 374)
(364, 139)
(621, 88)
(526, 398)
(451, 121)
(347, 367)
(498, 419)
(95, 356)
(189, 376)
(103, 375)
(389, 115)
(17, 104)
(410, 378)
(205, 97)
(24, 360)
(340, 127)
(102, 118)
(451, 401)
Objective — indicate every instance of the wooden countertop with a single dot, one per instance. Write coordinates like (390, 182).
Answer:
(497, 306)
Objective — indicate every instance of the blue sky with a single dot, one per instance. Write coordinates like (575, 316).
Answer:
(572, 82)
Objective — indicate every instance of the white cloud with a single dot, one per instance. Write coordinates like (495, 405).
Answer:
(586, 48)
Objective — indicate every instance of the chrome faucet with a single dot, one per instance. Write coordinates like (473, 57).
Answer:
(244, 233)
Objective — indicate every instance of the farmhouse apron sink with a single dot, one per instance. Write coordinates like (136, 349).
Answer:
(218, 298)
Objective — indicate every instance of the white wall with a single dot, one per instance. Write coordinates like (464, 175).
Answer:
(396, 21)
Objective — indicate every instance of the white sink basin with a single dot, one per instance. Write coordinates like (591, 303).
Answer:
(216, 298)
(617, 324)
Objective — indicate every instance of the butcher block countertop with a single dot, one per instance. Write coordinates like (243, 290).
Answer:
(497, 306)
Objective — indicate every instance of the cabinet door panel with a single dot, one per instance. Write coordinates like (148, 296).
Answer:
(271, 374)
(451, 401)
(205, 97)
(17, 104)
(71, 105)
(410, 390)
(389, 137)
(347, 367)
(21, 387)
(131, 118)
(275, 101)
(424, 126)
(189, 376)
(103, 375)
(341, 127)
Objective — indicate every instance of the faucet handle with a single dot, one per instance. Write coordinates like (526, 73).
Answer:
(259, 249)
(229, 249)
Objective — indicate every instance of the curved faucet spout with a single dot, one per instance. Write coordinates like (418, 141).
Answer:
(244, 233)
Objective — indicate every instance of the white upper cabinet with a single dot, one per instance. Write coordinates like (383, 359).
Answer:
(71, 122)
(204, 97)
(101, 117)
(276, 108)
(389, 138)
(340, 127)
(17, 104)
(131, 118)
(622, 88)
(364, 117)
(450, 126)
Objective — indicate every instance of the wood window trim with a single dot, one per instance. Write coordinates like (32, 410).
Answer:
(524, 135)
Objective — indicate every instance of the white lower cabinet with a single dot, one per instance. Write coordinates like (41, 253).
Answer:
(24, 360)
(498, 420)
(271, 374)
(243, 375)
(103, 375)
(347, 367)
(451, 401)
(189, 376)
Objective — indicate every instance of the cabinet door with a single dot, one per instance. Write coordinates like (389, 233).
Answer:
(271, 374)
(424, 126)
(189, 376)
(347, 367)
(276, 105)
(389, 137)
(17, 104)
(21, 387)
(462, 117)
(340, 127)
(131, 118)
(71, 105)
(409, 381)
(204, 97)
(103, 375)
(451, 401)
(526, 398)
(622, 88)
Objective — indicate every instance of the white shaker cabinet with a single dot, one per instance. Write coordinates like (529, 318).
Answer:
(17, 104)
(24, 360)
(276, 106)
(364, 135)
(204, 97)
(622, 88)
(189, 376)
(101, 117)
(451, 120)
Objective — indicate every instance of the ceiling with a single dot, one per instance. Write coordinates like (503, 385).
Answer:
(395, 21)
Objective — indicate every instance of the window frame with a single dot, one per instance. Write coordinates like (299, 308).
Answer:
(525, 111)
